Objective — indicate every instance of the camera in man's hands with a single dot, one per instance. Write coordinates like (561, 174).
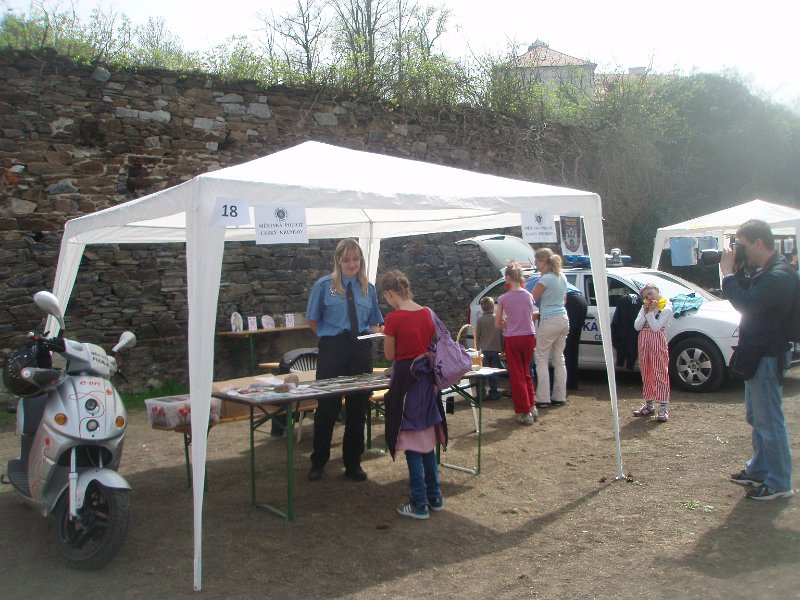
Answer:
(712, 257)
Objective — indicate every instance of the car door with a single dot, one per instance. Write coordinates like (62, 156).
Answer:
(591, 348)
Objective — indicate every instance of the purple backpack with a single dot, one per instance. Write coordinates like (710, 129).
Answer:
(449, 359)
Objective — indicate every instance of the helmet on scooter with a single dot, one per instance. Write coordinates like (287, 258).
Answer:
(14, 364)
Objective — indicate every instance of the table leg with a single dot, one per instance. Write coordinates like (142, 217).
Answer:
(472, 400)
(252, 353)
(289, 513)
(252, 458)
(369, 425)
(290, 408)
(481, 389)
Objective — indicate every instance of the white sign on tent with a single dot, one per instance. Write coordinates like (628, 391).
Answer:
(281, 224)
(229, 212)
(538, 227)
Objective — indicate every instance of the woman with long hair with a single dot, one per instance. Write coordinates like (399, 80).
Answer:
(551, 333)
(342, 306)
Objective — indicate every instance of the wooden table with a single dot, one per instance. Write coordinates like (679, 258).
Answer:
(250, 334)
(265, 404)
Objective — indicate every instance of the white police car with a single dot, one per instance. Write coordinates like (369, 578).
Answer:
(700, 342)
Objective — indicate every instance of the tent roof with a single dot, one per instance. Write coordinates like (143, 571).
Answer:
(729, 219)
(782, 219)
(346, 193)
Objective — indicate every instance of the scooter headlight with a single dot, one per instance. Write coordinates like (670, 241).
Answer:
(92, 425)
(91, 405)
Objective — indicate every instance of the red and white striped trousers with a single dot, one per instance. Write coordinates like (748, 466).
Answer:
(654, 364)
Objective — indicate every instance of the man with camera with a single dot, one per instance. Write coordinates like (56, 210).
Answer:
(762, 289)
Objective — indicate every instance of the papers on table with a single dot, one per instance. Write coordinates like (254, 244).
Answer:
(487, 371)
(268, 388)
(369, 336)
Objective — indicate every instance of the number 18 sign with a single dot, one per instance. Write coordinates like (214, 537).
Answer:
(229, 212)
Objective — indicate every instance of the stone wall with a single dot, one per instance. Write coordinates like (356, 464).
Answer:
(76, 139)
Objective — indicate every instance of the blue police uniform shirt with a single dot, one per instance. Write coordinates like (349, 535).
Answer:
(329, 310)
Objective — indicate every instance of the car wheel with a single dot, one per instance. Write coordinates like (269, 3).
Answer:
(696, 365)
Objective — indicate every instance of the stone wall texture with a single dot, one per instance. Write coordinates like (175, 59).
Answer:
(76, 139)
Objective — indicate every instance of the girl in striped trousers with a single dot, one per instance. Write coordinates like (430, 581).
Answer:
(651, 323)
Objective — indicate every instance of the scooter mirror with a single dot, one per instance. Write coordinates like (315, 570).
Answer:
(126, 340)
(49, 304)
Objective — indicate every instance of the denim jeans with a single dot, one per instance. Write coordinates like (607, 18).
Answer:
(772, 460)
(423, 477)
(490, 359)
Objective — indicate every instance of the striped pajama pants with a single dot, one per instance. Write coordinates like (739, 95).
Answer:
(654, 364)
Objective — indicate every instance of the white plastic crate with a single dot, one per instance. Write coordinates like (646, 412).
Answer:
(174, 411)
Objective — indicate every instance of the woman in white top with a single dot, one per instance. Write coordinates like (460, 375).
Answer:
(551, 333)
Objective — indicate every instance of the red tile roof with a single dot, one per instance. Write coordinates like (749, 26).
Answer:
(541, 55)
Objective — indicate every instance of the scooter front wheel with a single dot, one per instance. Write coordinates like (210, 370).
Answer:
(95, 537)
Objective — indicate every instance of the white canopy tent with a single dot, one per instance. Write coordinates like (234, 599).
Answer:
(346, 193)
(783, 220)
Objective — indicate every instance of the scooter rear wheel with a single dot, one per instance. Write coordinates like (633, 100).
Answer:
(95, 537)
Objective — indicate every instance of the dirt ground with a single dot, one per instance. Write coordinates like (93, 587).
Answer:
(544, 519)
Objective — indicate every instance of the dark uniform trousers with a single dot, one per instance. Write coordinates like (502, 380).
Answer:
(341, 355)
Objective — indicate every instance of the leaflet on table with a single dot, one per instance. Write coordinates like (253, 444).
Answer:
(346, 382)
(270, 380)
(269, 388)
(487, 371)
(369, 336)
(260, 391)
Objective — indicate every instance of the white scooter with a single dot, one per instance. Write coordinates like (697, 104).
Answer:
(72, 423)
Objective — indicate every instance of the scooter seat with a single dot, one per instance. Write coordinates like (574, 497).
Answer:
(17, 472)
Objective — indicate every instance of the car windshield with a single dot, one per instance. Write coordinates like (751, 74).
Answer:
(669, 285)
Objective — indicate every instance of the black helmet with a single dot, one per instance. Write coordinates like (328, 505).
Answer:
(12, 379)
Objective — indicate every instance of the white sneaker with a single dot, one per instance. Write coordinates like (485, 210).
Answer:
(525, 419)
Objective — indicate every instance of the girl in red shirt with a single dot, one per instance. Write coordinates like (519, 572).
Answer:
(415, 419)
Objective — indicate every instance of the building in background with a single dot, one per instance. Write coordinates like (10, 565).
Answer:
(542, 64)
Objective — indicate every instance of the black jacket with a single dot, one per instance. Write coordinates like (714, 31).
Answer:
(624, 337)
(764, 300)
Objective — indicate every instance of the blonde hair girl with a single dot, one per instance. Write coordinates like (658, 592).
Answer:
(348, 250)
(338, 322)
(515, 317)
(552, 259)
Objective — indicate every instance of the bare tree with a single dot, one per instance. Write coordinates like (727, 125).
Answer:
(301, 34)
(430, 23)
(107, 32)
(362, 26)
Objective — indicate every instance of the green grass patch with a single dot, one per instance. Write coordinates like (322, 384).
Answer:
(6, 417)
(170, 388)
